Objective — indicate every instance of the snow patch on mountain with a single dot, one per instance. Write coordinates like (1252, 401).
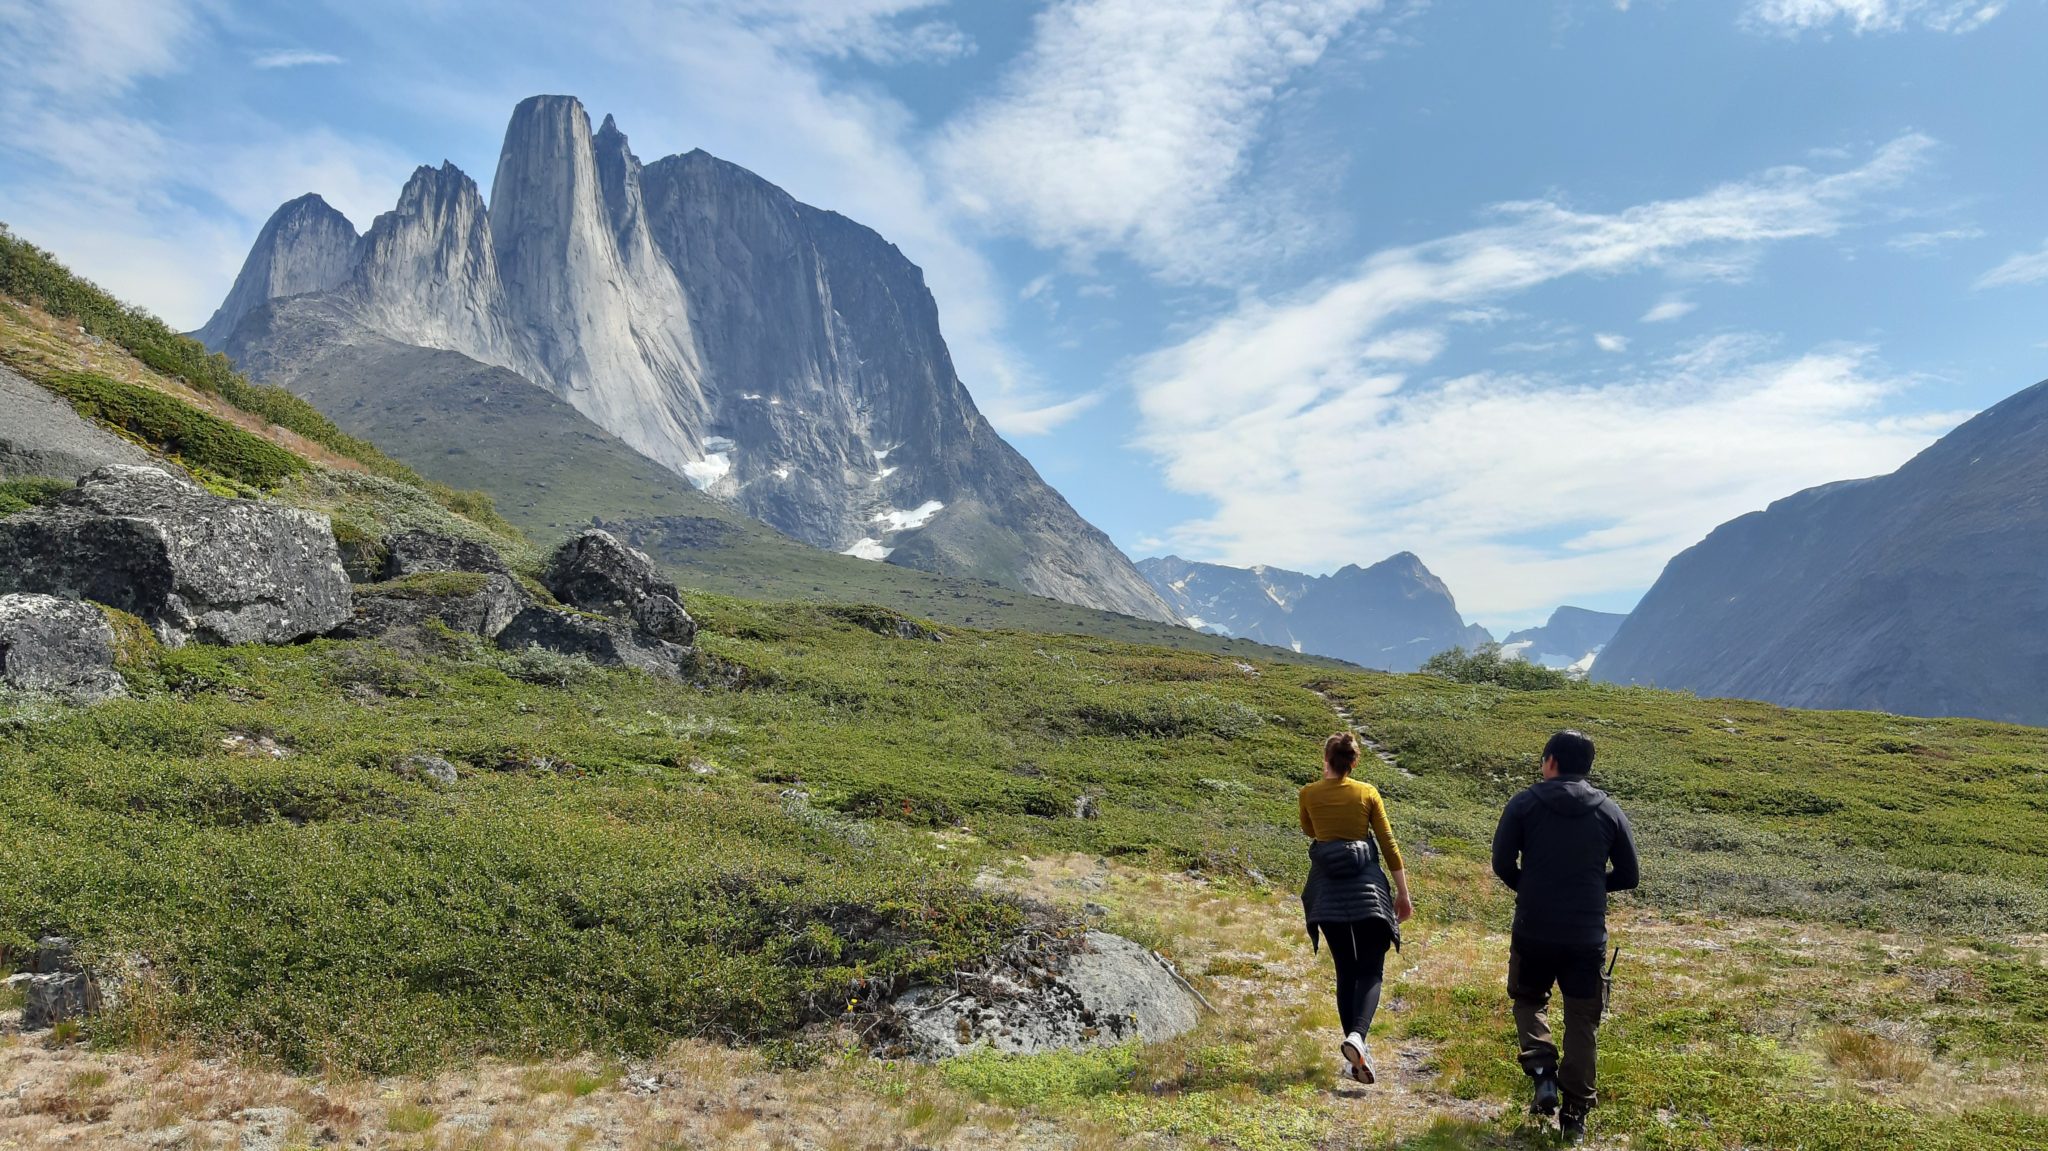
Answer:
(894, 520)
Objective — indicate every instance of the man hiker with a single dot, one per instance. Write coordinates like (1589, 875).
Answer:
(1562, 845)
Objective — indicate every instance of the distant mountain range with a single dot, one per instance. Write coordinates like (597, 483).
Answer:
(781, 358)
(1570, 639)
(1393, 615)
(1923, 592)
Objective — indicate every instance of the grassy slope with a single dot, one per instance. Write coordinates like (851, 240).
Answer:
(583, 884)
(620, 865)
(551, 471)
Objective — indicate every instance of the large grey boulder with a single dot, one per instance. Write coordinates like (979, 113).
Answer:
(59, 646)
(469, 602)
(605, 642)
(1105, 990)
(194, 565)
(597, 573)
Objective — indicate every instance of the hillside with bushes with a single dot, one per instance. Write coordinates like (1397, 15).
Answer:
(424, 889)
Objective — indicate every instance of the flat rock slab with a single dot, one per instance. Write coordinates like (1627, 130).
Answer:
(40, 435)
(59, 646)
(191, 564)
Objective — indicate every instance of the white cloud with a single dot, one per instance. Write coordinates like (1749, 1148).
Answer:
(1860, 16)
(1610, 342)
(1669, 308)
(294, 59)
(104, 47)
(1129, 125)
(2018, 269)
(1923, 243)
(1626, 469)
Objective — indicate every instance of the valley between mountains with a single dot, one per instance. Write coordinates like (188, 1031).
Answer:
(662, 880)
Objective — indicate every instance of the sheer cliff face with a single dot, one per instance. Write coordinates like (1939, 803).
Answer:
(1920, 592)
(780, 357)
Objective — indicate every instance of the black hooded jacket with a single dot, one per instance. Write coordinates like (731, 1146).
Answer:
(1553, 847)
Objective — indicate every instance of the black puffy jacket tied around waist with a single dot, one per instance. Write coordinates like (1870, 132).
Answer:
(1345, 885)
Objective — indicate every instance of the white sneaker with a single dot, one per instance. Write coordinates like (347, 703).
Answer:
(1359, 1056)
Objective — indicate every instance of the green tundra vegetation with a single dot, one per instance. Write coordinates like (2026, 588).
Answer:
(622, 862)
(1838, 942)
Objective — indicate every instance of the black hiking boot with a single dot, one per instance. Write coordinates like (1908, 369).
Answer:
(1571, 1127)
(1546, 1094)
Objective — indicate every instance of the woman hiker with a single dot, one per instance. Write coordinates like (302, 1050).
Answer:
(1346, 898)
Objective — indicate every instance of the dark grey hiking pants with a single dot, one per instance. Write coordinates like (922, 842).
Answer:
(1533, 968)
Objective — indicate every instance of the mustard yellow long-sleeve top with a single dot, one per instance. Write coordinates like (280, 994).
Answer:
(1348, 809)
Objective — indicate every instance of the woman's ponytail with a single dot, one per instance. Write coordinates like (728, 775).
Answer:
(1340, 751)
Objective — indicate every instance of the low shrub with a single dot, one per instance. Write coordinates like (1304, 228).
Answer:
(1485, 665)
(192, 437)
(19, 495)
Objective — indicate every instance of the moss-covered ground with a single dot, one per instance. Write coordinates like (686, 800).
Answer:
(1837, 945)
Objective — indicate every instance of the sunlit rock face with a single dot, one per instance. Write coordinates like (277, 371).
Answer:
(778, 356)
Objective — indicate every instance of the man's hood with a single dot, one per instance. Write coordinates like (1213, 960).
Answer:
(1570, 797)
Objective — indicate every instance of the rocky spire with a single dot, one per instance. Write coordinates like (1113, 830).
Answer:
(306, 246)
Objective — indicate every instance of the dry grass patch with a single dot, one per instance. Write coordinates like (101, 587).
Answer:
(1868, 1056)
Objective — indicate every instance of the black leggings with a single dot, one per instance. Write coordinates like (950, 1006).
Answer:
(1360, 950)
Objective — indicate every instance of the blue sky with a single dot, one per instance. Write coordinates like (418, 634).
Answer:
(1541, 291)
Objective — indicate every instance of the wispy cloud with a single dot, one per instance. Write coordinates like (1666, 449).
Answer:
(294, 58)
(1862, 16)
(1129, 125)
(2018, 269)
(1924, 243)
(1610, 342)
(1631, 467)
(1669, 308)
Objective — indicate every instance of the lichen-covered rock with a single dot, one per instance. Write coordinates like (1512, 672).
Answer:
(414, 551)
(60, 646)
(605, 642)
(470, 602)
(1105, 990)
(58, 987)
(431, 768)
(191, 564)
(597, 573)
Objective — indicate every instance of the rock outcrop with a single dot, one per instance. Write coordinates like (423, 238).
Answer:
(191, 564)
(621, 612)
(57, 986)
(597, 573)
(474, 603)
(40, 435)
(781, 357)
(59, 646)
(1393, 615)
(415, 551)
(1920, 592)
(604, 642)
(1104, 991)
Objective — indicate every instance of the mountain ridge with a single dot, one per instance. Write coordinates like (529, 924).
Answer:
(1916, 592)
(781, 357)
(1393, 614)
